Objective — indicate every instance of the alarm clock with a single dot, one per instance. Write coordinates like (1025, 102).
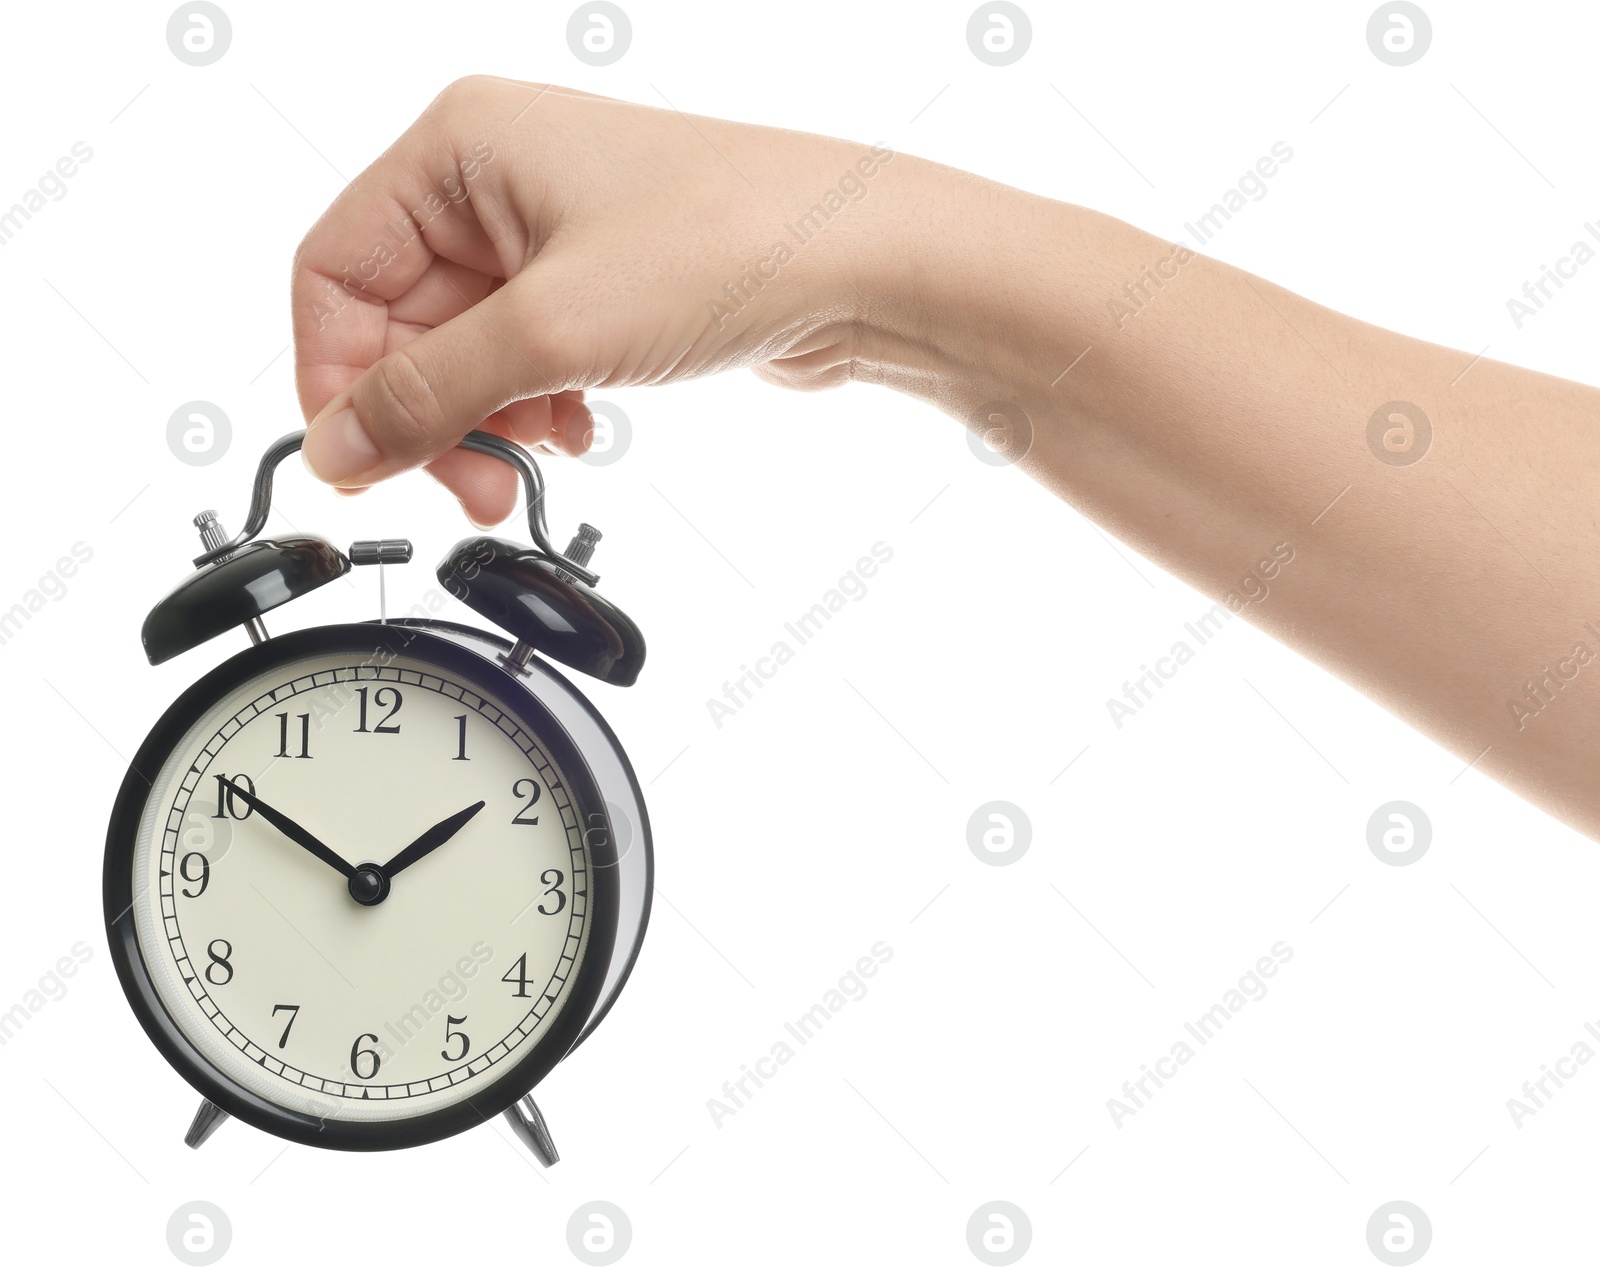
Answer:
(367, 883)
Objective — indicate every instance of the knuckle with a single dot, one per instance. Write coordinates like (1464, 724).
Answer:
(405, 406)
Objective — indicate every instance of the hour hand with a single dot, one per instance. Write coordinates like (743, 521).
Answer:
(434, 838)
(288, 828)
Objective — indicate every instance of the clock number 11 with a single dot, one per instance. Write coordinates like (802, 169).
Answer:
(283, 736)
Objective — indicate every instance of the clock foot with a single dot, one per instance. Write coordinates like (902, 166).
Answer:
(206, 1121)
(527, 1122)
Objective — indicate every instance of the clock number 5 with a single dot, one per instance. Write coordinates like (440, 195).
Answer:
(357, 1054)
(451, 1034)
(384, 698)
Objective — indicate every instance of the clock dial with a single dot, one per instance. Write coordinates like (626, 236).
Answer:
(363, 890)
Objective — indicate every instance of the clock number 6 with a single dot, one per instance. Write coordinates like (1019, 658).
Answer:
(220, 964)
(357, 1053)
(451, 1034)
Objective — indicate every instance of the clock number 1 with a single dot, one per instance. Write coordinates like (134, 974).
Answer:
(384, 698)
(461, 739)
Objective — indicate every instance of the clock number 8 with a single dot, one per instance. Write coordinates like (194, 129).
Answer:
(220, 964)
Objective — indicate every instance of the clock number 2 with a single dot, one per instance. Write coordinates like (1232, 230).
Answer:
(522, 816)
(384, 698)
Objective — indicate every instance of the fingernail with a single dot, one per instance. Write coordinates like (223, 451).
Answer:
(338, 448)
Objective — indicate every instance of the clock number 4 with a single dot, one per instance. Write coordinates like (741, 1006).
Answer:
(283, 736)
(384, 698)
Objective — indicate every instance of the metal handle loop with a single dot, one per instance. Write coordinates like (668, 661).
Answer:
(482, 442)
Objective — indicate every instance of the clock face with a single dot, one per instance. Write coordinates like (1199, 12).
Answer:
(362, 887)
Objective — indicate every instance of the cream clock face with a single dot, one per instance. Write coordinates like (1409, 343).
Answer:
(362, 891)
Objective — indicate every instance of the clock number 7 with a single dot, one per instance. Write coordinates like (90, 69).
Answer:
(294, 1012)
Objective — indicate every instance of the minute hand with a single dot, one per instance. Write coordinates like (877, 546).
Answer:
(434, 838)
(289, 828)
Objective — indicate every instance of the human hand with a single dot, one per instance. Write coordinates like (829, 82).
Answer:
(521, 243)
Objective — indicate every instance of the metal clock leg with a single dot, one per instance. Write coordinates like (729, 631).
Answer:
(527, 1121)
(206, 1121)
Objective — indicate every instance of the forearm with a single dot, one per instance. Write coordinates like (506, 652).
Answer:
(1210, 417)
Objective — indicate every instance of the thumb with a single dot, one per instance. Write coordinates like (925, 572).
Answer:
(423, 397)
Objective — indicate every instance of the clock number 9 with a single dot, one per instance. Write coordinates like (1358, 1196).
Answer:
(357, 1053)
(203, 880)
(220, 972)
(522, 816)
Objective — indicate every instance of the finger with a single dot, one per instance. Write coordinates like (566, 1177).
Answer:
(487, 488)
(418, 401)
(380, 236)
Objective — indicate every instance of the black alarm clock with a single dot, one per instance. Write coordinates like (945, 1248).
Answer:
(366, 884)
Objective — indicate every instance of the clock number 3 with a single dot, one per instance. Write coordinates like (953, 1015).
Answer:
(384, 698)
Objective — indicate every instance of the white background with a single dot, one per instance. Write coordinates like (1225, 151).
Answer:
(831, 812)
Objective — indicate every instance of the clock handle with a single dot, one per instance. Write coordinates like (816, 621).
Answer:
(481, 442)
